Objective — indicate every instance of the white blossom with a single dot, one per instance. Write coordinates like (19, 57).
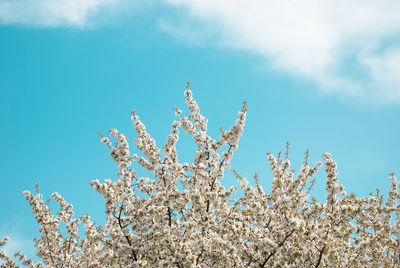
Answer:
(183, 216)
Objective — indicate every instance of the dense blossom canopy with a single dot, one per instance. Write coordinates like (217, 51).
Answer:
(182, 215)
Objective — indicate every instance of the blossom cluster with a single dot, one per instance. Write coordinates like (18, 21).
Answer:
(183, 216)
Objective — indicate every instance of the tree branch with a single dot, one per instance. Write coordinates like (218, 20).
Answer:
(275, 250)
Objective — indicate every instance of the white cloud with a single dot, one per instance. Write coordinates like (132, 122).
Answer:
(17, 241)
(348, 48)
(385, 69)
(52, 12)
(343, 46)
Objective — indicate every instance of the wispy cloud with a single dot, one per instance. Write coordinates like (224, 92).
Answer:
(347, 48)
(17, 242)
(52, 13)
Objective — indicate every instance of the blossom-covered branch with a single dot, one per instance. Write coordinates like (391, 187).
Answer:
(183, 216)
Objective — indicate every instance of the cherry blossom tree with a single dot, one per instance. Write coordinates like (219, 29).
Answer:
(183, 216)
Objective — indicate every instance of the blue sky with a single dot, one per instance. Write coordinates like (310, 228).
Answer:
(315, 74)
